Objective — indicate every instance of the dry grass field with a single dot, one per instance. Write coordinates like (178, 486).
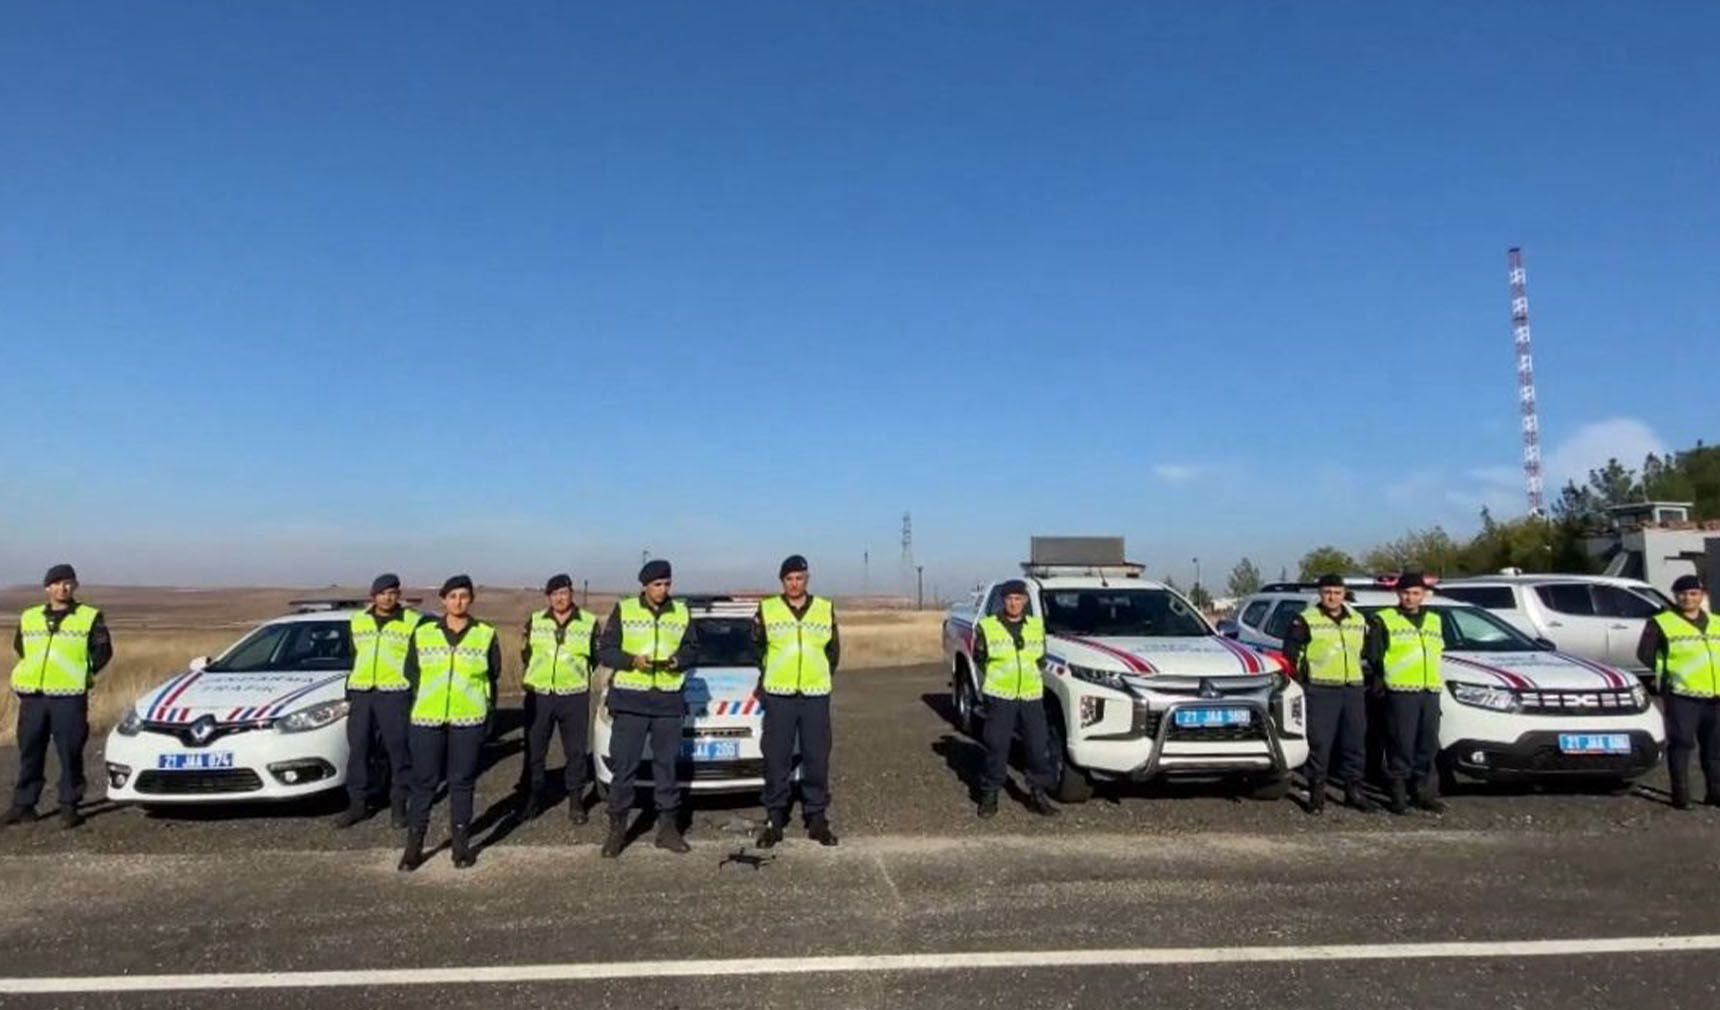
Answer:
(158, 630)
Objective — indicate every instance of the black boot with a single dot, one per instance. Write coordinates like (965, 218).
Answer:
(1426, 796)
(17, 815)
(1398, 803)
(616, 840)
(532, 805)
(464, 857)
(397, 811)
(576, 814)
(818, 829)
(1316, 796)
(413, 857)
(354, 812)
(70, 818)
(1358, 801)
(771, 836)
(988, 803)
(669, 835)
(1680, 792)
(1040, 803)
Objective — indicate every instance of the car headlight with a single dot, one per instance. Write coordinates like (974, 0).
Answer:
(1101, 678)
(132, 724)
(1486, 696)
(314, 717)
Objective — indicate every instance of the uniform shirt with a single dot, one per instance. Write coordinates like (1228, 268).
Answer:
(1297, 637)
(1374, 645)
(560, 635)
(981, 654)
(661, 703)
(100, 642)
(832, 648)
(493, 661)
(1651, 647)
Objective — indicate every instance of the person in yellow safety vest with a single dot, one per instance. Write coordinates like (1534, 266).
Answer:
(1008, 648)
(798, 647)
(1324, 648)
(61, 646)
(649, 643)
(453, 667)
(1405, 644)
(379, 700)
(560, 646)
(1682, 647)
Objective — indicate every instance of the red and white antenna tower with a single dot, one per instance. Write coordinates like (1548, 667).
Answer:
(1526, 382)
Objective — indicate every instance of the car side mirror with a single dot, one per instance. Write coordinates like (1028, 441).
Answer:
(196, 665)
(1547, 644)
(1229, 629)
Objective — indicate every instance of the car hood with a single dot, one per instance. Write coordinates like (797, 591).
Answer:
(238, 697)
(722, 690)
(1191, 656)
(1554, 671)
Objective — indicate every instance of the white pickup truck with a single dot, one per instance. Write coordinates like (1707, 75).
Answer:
(1139, 685)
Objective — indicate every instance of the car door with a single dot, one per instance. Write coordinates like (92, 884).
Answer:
(1626, 613)
(1572, 623)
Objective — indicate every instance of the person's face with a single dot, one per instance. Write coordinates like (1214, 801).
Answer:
(656, 592)
(1014, 605)
(1332, 597)
(561, 601)
(458, 602)
(1412, 599)
(387, 600)
(60, 593)
(794, 585)
(1690, 601)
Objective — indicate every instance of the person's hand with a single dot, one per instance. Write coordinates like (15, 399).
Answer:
(641, 662)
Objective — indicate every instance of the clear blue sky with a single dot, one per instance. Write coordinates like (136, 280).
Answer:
(294, 292)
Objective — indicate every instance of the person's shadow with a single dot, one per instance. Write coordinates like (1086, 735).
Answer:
(961, 754)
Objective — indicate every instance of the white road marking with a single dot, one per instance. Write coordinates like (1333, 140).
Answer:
(498, 974)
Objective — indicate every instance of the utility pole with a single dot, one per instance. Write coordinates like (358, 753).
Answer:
(1526, 382)
(866, 573)
(1197, 573)
(919, 587)
(585, 593)
(907, 549)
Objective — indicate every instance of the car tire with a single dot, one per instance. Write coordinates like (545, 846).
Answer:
(1269, 787)
(965, 701)
(1071, 784)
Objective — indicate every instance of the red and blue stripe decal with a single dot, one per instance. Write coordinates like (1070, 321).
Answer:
(1252, 662)
(161, 709)
(1135, 663)
(1613, 677)
(1514, 680)
(271, 709)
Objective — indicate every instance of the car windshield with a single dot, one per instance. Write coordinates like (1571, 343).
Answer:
(1471, 629)
(290, 645)
(1135, 613)
(725, 641)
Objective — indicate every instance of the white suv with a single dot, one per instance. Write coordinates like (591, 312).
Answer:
(1513, 708)
(1597, 617)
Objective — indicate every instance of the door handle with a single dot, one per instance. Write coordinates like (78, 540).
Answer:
(1555, 624)
(1619, 627)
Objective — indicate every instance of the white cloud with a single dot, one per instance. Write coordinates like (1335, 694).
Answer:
(1178, 473)
(1626, 439)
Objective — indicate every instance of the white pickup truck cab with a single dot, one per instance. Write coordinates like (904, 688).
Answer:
(1139, 685)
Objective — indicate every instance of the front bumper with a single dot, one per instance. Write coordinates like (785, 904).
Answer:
(1484, 744)
(1136, 737)
(266, 766)
(743, 774)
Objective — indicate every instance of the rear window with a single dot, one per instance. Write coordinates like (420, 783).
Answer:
(1567, 598)
(1611, 601)
(1278, 625)
(1490, 597)
(1255, 612)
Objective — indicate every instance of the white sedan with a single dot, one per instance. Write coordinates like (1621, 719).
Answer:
(265, 720)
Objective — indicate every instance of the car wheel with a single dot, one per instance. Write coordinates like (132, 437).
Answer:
(1272, 786)
(1072, 784)
(966, 703)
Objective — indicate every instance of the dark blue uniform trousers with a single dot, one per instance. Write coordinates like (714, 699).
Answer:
(444, 751)
(377, 715)
(786, 718)
(1003, 718)
(63, 719)
(1412, 735)
(1337, 732)
(627, 749)
(569, 715)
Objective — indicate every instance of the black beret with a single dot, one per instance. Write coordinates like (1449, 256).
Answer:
(1410, 580)
(792, 563)
(456, 582)
(1329, 581)
(59, 573)
(654, 569)
(1685, 583)
(384, 582)
(561, 581)
(1014, 587)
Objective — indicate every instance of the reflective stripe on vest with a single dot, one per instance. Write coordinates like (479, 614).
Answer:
(453, 680)
(656, 637)
(379, 653)
(1334, 652)
(1691, 665)
(57, 661)
(794, 658)
(1412, 654)
(560, 666)
(1012, 673)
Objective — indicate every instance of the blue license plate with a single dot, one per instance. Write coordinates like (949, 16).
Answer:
(195, 762)
(1212, 718)
(711, 750)
(1594, 743)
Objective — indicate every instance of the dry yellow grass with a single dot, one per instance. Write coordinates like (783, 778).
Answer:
(145, 656)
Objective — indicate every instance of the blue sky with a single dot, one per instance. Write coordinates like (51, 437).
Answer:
(291, 294)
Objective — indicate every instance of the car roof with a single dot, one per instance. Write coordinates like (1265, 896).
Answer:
(1541, 577)
(1093, 582)
(1358, 597)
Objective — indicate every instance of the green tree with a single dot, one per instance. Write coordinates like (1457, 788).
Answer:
(1431, 550)
(1244, 579)
(1327, 560)
(1200, 597)
(1614, 484)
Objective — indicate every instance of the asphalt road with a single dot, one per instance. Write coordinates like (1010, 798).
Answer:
(242, 890)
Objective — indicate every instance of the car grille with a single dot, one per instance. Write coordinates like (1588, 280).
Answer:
(182, 731)
(705, 771)
(1217, 734)
(725, 732)
(193, 783)
(1567, 702)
